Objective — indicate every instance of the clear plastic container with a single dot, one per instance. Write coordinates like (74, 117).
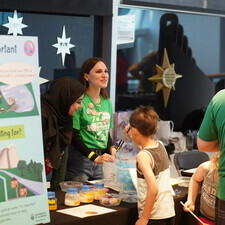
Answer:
(52, 201)
(117, 175)
(72, 197)
(111, 199)
(189, 140)
(99, 190)
(70, 184)
(86, 194)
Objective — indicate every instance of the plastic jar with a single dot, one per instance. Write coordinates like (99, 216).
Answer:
(72, 197)
(52, 201)
(99, 190)
(86, 194)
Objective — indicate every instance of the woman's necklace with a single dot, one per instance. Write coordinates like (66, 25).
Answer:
(95, 99)
(93, 106)
(96, 102)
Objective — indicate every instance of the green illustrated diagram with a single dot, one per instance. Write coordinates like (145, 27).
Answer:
(18, 178)
(17, 101)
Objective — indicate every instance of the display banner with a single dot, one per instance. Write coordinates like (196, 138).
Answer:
(23, 192)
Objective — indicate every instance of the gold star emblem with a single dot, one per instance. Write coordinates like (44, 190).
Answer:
(165, 78)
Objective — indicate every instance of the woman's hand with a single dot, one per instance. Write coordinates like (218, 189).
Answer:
(113, 150)
(189, 205)
(105, 157)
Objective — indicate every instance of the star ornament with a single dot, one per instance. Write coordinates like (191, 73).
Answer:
(15, 24)
(165, 78)
(63, 46)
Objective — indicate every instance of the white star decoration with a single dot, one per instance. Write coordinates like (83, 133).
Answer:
(63, 45)
(15, 24)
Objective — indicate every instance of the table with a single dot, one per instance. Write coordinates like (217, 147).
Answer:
(126, 213)
(188, 172)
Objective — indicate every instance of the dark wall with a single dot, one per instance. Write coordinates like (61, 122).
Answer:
(73, 7)
(192, 92)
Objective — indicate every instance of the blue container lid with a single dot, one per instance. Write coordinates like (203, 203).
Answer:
(72, 190)
(99, 185)
(51, 194)
(85, 187)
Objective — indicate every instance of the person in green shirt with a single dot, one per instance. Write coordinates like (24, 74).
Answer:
(91, 143)
(211, 138)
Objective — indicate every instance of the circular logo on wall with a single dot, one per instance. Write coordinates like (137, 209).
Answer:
(29, 48)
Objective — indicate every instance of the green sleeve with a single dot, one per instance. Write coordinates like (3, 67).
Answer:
(208, 130)
(76, 119)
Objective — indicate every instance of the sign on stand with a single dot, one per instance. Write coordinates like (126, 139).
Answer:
(23, 193)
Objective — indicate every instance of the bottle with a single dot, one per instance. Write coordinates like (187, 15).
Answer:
(52, 201)
(72, 197)
(86, 194)
(99, 190)
(190, 140)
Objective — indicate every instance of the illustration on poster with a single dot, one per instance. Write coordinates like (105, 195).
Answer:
(18, 98)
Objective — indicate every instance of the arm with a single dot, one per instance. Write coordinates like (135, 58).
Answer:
(81, 147)
(85, 151)
(111, 149)
(208, 146)
(208, 135)
(138, 70)
(195, 184)
(110, 154)
(145, 165)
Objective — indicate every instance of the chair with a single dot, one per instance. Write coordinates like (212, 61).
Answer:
(188, 160)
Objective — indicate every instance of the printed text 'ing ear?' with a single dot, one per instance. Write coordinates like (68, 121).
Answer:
(11, 132)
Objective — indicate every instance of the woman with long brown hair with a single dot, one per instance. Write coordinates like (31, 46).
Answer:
(91, 143)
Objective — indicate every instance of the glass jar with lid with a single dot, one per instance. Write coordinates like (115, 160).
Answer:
(72, 197)
(99, 190)
(86, 194)
(52, 201)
